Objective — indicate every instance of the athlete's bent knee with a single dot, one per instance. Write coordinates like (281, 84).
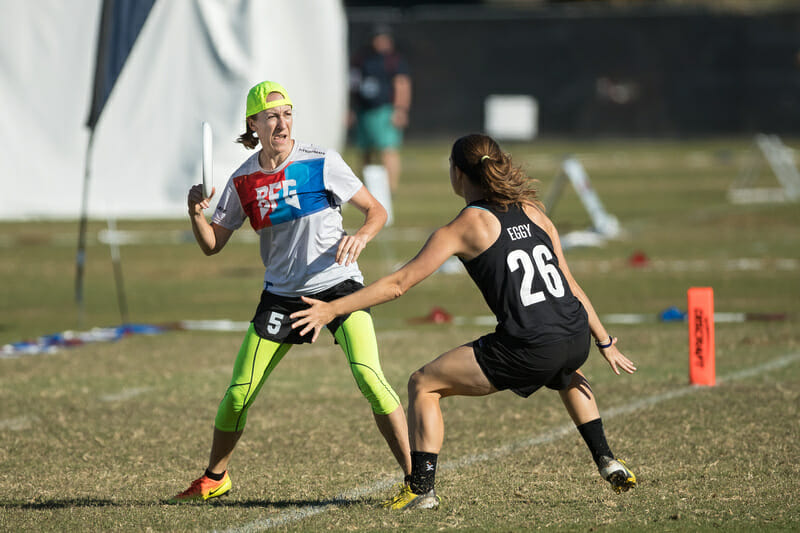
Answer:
(232, 412)
(416, 383)
(376, 390)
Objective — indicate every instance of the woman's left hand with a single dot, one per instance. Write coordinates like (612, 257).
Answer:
(350, 247)
(616, 359)
(313, 318)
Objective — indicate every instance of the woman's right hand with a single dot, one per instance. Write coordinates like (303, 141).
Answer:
(196, 201)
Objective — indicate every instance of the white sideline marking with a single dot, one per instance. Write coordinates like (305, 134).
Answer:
(550, 436)
(17, 424)
(124, 394)
(746, 264)
(214, 325)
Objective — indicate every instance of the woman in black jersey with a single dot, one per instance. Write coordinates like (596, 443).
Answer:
(511, 250)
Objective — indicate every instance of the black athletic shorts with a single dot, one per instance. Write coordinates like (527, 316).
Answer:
(272, 321)
(525, 369)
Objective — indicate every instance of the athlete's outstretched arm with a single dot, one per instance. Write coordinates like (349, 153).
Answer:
(443, 243)
(611, 353)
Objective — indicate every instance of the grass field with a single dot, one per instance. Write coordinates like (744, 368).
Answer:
(96, 437)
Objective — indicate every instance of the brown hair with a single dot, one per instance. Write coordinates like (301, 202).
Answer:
(487, 166)
(248, 138)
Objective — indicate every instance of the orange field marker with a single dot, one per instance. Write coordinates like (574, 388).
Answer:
(701, 336)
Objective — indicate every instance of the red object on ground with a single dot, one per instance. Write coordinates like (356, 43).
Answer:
(439, 316)
(436, 316)
(638, 259)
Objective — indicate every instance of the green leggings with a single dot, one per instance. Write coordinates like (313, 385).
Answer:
(258, 358)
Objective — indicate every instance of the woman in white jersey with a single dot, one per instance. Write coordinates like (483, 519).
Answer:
(291, 193)
(513, 254)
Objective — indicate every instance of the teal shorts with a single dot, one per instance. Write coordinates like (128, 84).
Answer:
(374, 129)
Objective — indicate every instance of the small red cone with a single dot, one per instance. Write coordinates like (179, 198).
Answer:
(439, 316)
(436, 316)
(638, 260)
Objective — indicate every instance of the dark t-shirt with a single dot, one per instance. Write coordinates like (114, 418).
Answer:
(522, 283)
(371, 76)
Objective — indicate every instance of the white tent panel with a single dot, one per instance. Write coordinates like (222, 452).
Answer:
(194, 61)
(47, 60)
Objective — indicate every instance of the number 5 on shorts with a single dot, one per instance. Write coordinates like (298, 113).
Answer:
(274, 322)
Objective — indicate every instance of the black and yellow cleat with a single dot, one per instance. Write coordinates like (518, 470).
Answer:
(616, 472)
(407, 500)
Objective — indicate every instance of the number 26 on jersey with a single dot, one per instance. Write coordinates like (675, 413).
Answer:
(537, 261)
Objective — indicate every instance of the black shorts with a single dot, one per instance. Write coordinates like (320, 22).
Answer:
(525, 369)
(272, 321)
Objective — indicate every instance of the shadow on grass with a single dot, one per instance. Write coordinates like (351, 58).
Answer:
(63, 504)
(298, 504)
(92, 502)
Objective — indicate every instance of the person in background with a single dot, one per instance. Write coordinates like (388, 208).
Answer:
(380, 100)
(291, 193)
(512, 252)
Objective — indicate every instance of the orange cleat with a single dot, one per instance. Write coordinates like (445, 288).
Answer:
(203, 489)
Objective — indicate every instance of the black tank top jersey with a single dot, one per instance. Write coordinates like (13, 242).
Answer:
(522, 283)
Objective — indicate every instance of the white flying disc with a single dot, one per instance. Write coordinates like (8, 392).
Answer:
(208, 178)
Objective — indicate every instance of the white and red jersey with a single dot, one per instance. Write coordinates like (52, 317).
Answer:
(296, 211)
